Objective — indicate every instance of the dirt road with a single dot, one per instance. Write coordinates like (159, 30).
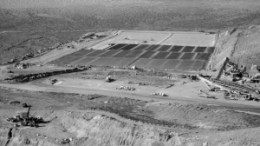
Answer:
(96, 87)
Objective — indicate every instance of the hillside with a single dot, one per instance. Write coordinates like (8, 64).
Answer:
(46, 23)
(138, 14)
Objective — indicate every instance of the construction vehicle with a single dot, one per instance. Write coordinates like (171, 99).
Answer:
(24, 118)
(109, 79)
(54, 81)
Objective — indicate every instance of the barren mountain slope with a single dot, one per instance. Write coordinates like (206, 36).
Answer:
(28, 25)
(247, 49)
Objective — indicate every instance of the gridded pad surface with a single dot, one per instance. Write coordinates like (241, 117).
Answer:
(155, 56)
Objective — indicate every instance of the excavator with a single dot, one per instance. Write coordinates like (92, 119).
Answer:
(24, 118)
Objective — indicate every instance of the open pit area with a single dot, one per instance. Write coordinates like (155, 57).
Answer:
(129, 73)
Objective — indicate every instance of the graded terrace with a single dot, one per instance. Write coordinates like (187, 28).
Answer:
(173, 51)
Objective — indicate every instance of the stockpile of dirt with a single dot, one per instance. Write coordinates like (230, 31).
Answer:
(31, 77)
(203, 116)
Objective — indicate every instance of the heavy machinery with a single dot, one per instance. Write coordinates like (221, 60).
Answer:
(24, 118)
(109, 79)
